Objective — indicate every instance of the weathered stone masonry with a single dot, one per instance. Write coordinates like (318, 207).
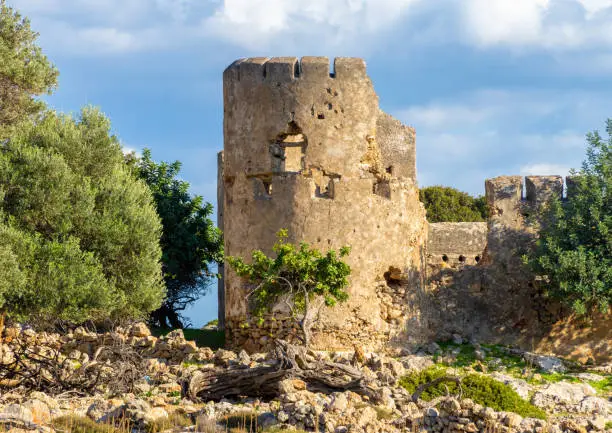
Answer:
(312, 152)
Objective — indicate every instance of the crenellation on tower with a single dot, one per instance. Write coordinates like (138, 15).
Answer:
(311, 152)
(541, 188)
(314, 68)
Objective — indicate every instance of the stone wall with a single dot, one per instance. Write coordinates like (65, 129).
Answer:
(492, 298)
(495, 299)
(456, 244)
(311, 152)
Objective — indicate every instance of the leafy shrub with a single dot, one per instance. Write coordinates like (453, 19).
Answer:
(480, 388)
(446, 204)
(573, 255)
(79, 236)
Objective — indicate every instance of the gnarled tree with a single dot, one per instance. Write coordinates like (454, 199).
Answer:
(302, 277)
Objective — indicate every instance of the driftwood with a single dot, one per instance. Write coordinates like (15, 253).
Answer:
(264, 381)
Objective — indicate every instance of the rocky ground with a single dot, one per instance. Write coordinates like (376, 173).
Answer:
(128, 380)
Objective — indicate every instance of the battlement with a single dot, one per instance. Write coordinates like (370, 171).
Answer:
(287, 69)
(534, 190)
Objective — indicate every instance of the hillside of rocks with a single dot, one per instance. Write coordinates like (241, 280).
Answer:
(129, 380)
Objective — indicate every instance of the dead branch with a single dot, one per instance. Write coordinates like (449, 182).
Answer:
(43, 367)
(264, 381)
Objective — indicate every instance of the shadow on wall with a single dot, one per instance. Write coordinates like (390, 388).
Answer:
(499, 302)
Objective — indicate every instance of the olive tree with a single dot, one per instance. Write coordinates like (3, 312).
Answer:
(25, 72)
(79, 235)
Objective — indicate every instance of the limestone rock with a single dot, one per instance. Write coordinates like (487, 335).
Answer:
(521, 387)
(417, 362)
(562, 393)
(339, 402)
(18, 412)
(139, 330)
(40, 411)
(598, 423)
(549, 364)
(223, 357)
(572, 426)
(595, 405)
(366, 416)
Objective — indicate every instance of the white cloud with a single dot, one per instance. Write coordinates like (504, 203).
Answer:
(261, 24)
(129, 149)
(594, 6)
(495, 21)
(549, 24)
(120, 26)
(544, 169)
(465, 139)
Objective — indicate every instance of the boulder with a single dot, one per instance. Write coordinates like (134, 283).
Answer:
(521, 387)
(417, 362)
(595, 405)
(562, 393)
(549, 364)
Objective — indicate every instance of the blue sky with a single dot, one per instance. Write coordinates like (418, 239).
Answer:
(492, 86)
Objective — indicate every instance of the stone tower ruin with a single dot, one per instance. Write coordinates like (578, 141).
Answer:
(310, 151)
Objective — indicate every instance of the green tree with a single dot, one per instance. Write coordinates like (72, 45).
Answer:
(301, 276)
(24, 71)
(79, 236)
(573, 254)
(190, 241)
(446, 204)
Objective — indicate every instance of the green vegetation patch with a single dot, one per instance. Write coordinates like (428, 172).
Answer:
(446, 204)
(603, 387)
(495, 357)
(481, 389)
(554, 378)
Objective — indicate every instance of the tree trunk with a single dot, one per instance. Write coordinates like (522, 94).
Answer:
(263, 381)
(166, 317)
(311, 313)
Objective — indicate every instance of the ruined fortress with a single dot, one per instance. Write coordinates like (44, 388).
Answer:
(310, 151)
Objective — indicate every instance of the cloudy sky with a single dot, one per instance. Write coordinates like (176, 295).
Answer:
(492, 86)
